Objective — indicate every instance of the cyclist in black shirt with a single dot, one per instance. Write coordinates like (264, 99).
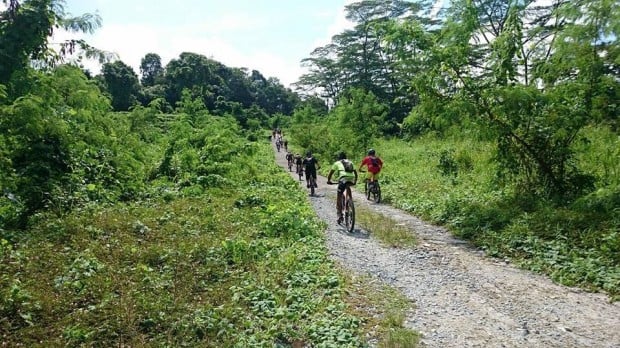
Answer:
(311, 165)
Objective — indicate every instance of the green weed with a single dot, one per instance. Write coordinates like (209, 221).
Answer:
(386, 230)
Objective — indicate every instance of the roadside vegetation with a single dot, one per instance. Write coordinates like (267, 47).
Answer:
(219, 248)
(496, 119)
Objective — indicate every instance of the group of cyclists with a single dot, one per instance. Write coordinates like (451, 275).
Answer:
(342, 171)
(277, 135)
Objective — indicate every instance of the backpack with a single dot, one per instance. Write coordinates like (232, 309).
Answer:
(348, 165)
(374, 162)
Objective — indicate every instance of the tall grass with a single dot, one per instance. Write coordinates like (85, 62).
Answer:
(453, 181)
(235, 259)
(385, 229)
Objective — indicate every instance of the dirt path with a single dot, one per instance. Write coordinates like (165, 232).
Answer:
(464, 299)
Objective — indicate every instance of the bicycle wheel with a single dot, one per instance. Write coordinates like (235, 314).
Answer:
(377, 193)
(349, 213)
(312, 182)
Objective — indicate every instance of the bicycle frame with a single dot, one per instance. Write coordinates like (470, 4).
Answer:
(348, 208)
(312, 183)
(372, 188)
(300, 171)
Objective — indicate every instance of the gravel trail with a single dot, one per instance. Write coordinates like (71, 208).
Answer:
(462, 298)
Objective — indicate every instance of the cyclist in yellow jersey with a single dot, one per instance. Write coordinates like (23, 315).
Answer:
(344, 171)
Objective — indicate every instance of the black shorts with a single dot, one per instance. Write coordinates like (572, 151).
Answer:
(343, 184)
(310, 173)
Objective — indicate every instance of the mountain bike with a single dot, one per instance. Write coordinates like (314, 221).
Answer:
(372, 188)
(278, 145)
(300, 171)
(348, 208)
(312, 183)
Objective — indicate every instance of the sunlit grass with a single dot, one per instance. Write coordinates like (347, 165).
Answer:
(240, 265)
(385, 310)
(453, 180)
(385, 229)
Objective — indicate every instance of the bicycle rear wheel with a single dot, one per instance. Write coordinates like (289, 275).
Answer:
(349, 213)
(376, 193)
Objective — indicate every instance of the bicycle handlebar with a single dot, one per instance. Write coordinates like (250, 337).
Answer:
(336, 183)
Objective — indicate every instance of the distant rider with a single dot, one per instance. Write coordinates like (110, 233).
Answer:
(311, 165)
(298, 163)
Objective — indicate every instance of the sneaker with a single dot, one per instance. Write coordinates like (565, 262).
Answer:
(307, 185)
(340, 219)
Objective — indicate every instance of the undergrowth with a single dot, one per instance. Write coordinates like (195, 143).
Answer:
(452, 181)
(231, 259)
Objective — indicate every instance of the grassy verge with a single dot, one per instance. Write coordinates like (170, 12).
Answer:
(386, 230)
(385, 308)
(234, 260)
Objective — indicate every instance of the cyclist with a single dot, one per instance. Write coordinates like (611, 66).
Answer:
(311, 165)
(298, 163)
(346, 175)
(289, 158)
(374, 165)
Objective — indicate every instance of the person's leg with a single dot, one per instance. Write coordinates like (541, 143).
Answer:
(341, 188)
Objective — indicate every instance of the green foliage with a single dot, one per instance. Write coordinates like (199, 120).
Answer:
(229, 267)
(224, 90)
(351, 126)
(455, 184)
(122, 84)
(535, 141)
(26, 28)
(62, 149)
(151, 69)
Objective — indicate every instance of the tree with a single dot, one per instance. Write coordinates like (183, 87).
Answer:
(122, 84)
(535, 124)
(151, 69)
(364, 57)
(25, 27)
(196, 73)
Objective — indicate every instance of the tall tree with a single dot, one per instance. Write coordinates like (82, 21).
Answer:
(535, 124)
(151, 69)
(363, 57)
(25, 28)
(122, 84)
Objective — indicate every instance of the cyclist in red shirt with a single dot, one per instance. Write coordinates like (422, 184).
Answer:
(374, 165)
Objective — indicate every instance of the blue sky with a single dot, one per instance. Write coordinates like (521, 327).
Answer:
(271, 36)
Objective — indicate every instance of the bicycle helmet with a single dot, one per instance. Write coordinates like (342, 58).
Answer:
(342, 155)
(309, 154)
(371, 152)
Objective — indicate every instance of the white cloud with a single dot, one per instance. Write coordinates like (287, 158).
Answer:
(212, 38)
